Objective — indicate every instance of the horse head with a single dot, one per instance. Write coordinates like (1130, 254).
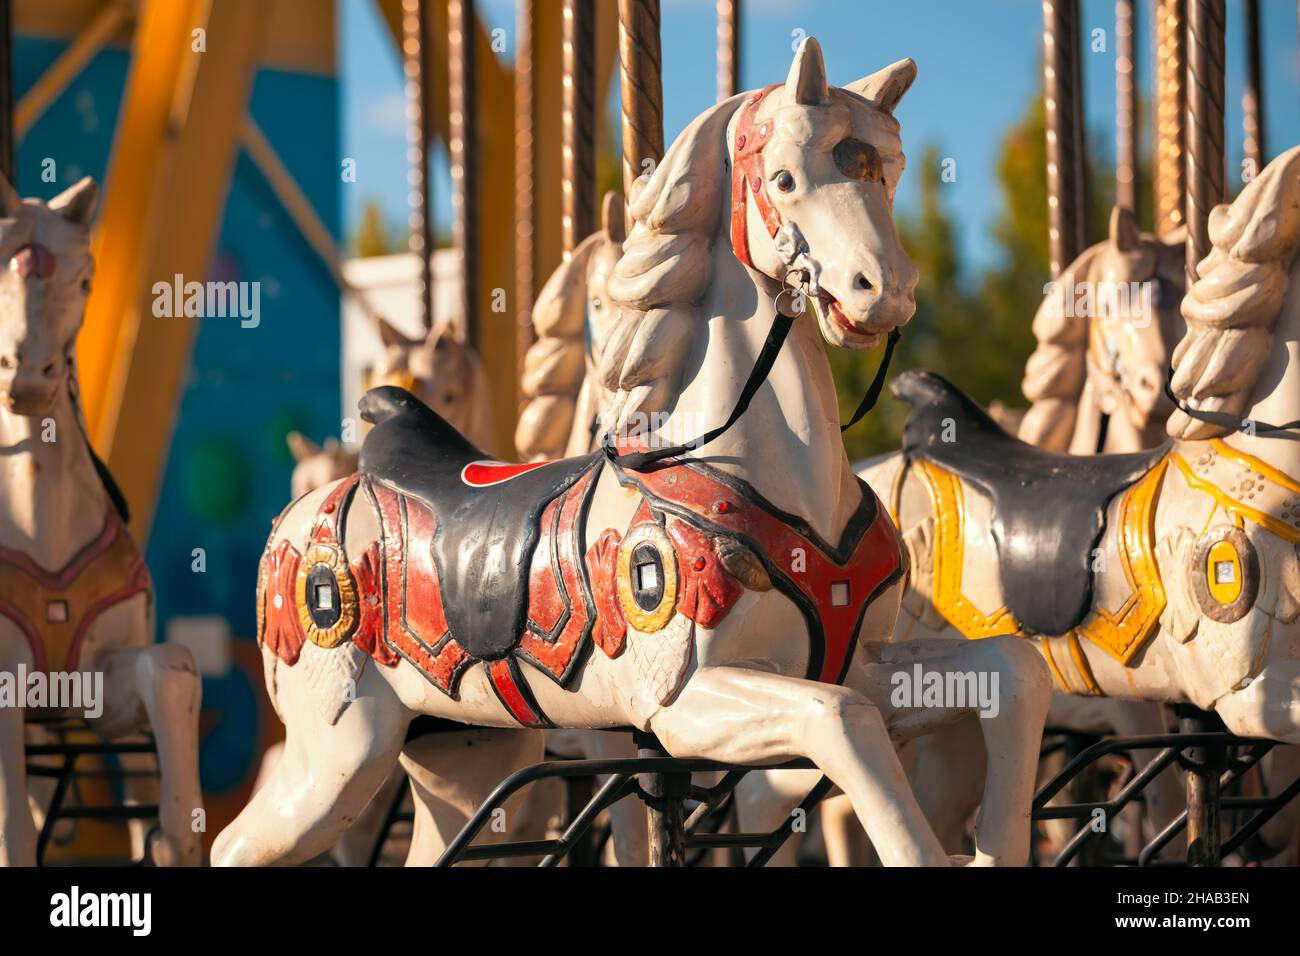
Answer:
(815, 170)
(443, 371)
(43, 292)
(1136, 323)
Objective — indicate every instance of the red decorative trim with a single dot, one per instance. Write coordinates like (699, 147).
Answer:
(512, 690)
(61, 579)
(367, 572)
(707, 589)
(792, 554)
(416, 625)
(602, 565)
(325, 530)
(747, 177)
(282, 631)
(557, 592)
(482, 474)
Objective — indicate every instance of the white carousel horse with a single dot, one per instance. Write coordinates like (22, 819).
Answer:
(709, 629)
(75, 594)
(1183, 578)
(1103, 357)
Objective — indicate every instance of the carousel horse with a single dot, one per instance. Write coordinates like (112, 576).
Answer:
(1096, 358)
(75, 595)
(700, 591)
(1167, 575)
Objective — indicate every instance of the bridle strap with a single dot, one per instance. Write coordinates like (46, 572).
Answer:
(1222, 420)
(747, 177)
(878, 383)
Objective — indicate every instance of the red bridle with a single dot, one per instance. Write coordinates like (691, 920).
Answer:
(747, 177)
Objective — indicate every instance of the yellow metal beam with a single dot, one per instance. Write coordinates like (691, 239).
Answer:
(69, 64)
(174, 152)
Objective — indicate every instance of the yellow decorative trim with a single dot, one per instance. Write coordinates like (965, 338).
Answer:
(346, 624)
(1046, 646)
(1234, 507)
(1122, 633)
(1081, 664)
(949, 554)
(647, 622)
(1255, 464)
(1225, 592)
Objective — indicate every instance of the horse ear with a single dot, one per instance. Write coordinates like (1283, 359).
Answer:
(77, 202)
(390, 335)
(613, 219)
(10, 201)
(300, 446)
(807, 79)
(887, 87)
(1125, 234)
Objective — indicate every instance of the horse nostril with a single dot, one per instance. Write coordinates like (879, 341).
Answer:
(862, 282)
(48, 371)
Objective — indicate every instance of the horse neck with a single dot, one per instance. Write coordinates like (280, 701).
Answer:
(787, 445)
(53, 502)
(1276, 398)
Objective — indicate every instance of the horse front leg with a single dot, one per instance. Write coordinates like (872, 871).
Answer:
(742, 716)
(1012, 690)
(161, 683)
(323, 779)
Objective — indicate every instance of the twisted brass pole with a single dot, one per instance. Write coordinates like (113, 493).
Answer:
(1171, 119)
(1252, 100)
(1205, 158)
(579, 151)
(728, 48)
(1064, 154)
(463, 153)
(1126, 106)
(525, 176)
(419, 133)
(641, 86)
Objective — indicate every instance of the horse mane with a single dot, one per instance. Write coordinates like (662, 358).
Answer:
(1056, 369)
(1233, 307)
(554, 365)
(664, 273)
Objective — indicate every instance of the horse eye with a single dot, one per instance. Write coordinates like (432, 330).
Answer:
(784, 181)
(859, 160)
(595, 303)
(85, 286)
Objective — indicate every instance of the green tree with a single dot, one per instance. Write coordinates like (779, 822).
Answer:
(373, 237)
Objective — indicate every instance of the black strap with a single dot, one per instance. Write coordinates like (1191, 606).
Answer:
(878, 383)
(1221, 419)
(762, 368)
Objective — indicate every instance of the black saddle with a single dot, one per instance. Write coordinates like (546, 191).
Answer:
(485, 536)
(1049, 510)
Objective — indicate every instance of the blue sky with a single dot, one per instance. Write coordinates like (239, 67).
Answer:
(979, 67)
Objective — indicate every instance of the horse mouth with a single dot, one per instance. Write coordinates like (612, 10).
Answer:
(832, 309)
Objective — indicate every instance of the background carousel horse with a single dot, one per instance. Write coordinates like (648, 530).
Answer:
(75, 595)
(682, 609)
(442, 369)
(1197, 590)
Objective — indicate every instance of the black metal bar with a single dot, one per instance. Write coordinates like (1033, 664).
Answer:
(393, 815)
(628, 767)
(614, 789)
(814, 797)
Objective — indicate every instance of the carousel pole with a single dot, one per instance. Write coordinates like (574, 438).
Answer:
(525, 180)
(1252, 100)
(728, 49)
(641, 89)
(463, 154)
(419, 132)
(579, 132)
(1063, 99)
(1205, 190)
(1127, 186)
(1171, 119)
